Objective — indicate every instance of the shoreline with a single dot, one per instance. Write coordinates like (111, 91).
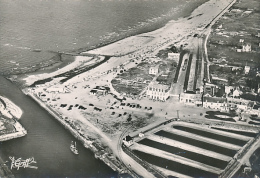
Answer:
(20, 80)
(53, 64)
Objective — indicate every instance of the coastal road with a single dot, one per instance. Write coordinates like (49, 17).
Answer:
(132, 166)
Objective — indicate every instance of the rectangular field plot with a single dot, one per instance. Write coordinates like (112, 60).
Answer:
(212, 135)
(174, 166)
(197, 143)
(186, 154)
(249, 134)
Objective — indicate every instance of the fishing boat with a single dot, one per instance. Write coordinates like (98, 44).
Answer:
(73, 148)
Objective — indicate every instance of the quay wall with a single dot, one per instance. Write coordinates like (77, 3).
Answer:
(87, 143)
(13, 135)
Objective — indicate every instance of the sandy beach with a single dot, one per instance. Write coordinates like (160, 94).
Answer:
(147, 44)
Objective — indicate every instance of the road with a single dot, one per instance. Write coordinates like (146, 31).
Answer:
(133, 168)
(177, 88)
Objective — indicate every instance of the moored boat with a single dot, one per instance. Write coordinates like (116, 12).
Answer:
(73, 148)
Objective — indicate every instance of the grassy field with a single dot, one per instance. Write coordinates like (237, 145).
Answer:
(133, 81)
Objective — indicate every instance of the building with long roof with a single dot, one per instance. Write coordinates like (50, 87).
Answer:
(157, 91)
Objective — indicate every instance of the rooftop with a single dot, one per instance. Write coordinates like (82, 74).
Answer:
(214, 99)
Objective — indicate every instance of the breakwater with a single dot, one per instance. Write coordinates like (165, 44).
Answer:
(97, 149)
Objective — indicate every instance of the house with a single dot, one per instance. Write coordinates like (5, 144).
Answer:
(210, 89)
(100, 90)
(247, 69)
(154, 70)
(174, 56)
(241, 40)
(229, 89)
(215, 103)
(255, 110)
(239, 50)
(157, 91)
(241, 104)
(258, 34)
(128, 140)
(237, 93)
(246, 47)
(190, 99)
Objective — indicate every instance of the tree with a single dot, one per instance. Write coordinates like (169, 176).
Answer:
(129, 119)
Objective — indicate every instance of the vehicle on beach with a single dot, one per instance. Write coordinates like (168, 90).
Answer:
(73, 148)
(185, 64)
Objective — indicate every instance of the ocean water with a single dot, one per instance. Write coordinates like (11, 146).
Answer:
(66, 25)
(69, 25)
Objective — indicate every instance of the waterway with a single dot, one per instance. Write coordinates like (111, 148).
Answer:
(48, 142)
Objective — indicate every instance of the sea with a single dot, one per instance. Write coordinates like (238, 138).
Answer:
(31, 31)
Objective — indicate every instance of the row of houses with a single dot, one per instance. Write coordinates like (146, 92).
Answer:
(226, 104)
(218, 103)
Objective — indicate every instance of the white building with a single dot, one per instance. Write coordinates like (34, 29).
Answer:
(157, 91)
(246, 47)
(174, 56)
(241, 104)
(190, 99)
(128, 140)
(247, 69)
(237, 93)
(239, 50)
(154, 70)
(228, 89)
(215, 103)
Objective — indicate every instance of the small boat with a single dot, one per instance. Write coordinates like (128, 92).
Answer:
(73, 148)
